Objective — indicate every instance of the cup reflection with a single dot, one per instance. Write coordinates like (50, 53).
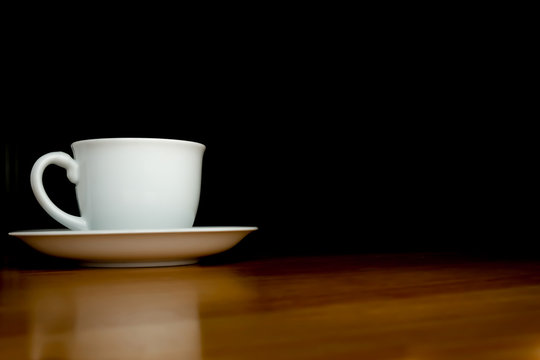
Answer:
(99, 315)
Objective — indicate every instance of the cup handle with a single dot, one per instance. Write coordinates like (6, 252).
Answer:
(36, 180)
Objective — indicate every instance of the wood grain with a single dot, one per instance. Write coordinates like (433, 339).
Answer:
(388, 306)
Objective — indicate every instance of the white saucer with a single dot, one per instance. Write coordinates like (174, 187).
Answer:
(135, 248)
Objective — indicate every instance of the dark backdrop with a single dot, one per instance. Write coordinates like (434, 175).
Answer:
(312, 185)
(376, 141)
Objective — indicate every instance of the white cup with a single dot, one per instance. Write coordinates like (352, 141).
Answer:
(127, 183)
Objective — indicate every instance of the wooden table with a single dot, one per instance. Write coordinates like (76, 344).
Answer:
(386, 306)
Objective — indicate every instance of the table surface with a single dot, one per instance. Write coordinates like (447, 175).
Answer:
(370, 306)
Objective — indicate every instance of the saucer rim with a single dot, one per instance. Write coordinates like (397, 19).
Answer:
(136, 248)
(68, 232)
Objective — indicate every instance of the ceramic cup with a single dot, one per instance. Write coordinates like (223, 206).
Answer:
(127, 183)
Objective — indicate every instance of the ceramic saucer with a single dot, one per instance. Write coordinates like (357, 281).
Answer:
(135, 248)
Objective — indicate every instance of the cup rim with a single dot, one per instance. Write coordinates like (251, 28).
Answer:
(137, 139)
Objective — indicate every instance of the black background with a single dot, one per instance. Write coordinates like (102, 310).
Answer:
(313, 186)
(375, 141)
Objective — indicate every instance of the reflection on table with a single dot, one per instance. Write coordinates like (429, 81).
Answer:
(401, 306)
